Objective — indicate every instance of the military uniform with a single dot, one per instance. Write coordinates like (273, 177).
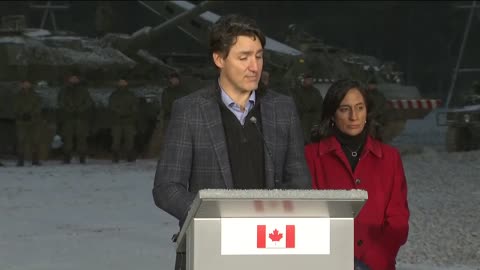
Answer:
(75, 108)
(28, 120)
(309, 104)
(380, 112)
(380, 106)
(476, 88)
(124, 106)
(169, 95)
(262, 86)
(148, 110)
(175, 91)
(472, 98)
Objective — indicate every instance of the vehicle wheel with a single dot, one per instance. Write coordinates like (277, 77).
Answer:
(457, 139)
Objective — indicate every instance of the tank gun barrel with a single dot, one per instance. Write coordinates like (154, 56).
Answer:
(142, 38)
(186, 15)
(194, 20)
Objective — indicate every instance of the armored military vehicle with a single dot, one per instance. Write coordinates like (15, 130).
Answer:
(45, 58)
(463, 122)
(328, 63)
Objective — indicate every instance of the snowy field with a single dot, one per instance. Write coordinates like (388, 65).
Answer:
(102, 216)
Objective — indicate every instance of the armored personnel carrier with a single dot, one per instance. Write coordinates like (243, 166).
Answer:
(328, 63)
(45, 58)
(463, 122)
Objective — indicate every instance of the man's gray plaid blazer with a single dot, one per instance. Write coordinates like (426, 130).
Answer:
(194, 154)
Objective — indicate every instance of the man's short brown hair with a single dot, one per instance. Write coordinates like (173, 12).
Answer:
(224, 33)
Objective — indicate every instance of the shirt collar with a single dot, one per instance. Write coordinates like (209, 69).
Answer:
(228, 101)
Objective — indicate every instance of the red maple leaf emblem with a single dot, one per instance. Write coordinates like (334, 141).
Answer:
(275, 236)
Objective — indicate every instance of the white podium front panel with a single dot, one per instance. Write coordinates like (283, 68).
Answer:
(271, 229)
(206, 251)
(269, 236)
(273, 204)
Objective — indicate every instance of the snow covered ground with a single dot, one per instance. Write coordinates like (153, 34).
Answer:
(98, 216)
(102, 216)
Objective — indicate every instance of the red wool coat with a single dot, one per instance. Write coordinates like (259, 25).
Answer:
(381, 227)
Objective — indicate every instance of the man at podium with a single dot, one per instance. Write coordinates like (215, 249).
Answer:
(228, 135)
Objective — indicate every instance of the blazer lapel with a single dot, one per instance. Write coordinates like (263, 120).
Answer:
(267, 109)
(213, 120)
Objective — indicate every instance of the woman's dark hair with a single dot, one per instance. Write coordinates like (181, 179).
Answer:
(224, 33)
(335, 94)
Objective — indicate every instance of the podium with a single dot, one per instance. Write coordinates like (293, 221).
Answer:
(270, 229)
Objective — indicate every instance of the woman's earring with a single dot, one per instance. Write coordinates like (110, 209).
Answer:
(332, 123)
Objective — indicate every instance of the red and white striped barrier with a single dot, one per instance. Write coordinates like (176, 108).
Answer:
(415, 103)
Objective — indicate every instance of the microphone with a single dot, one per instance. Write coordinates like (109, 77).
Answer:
(253, 120)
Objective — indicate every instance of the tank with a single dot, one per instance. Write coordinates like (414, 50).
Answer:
(45, 57)
(328, 63)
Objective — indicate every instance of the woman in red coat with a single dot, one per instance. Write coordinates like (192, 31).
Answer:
(348, 156)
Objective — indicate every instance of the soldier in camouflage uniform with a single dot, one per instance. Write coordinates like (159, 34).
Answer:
(124, 107)
(75, 108)
(309, 103)
(476, 88)
(473, 97)
(28, 119)
(380, 110)
(264, 82)
(174, 91)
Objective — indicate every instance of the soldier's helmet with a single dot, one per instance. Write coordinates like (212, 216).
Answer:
(372, 84)
(307, 74)
(72, 72)
(306, 79)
